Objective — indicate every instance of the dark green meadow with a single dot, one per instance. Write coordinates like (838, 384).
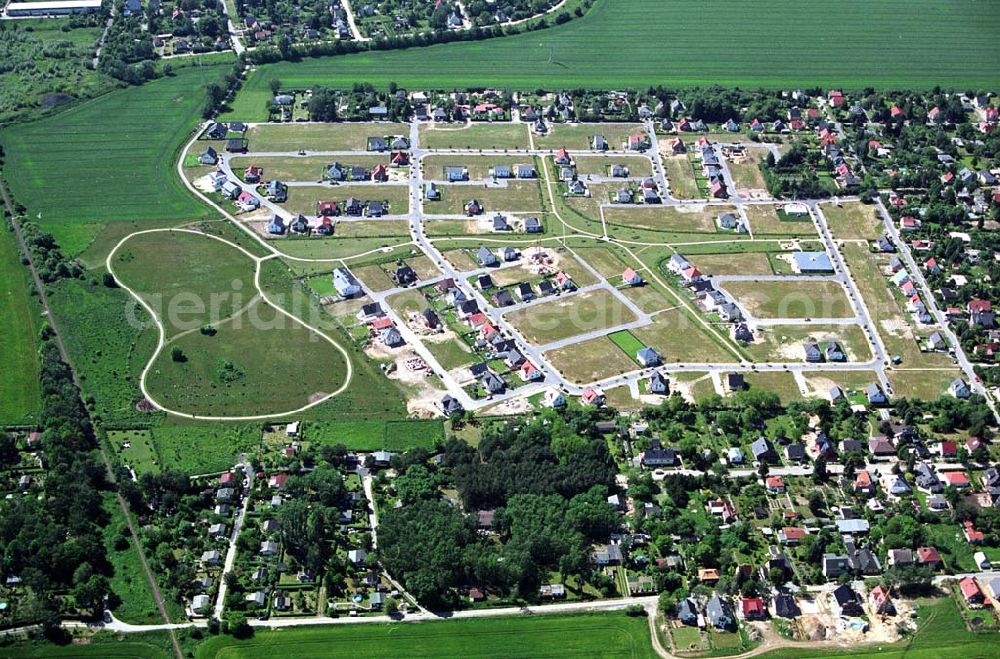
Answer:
(638, 43)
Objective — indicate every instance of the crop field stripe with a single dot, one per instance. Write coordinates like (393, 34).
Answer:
(637, 43)
(20, 395)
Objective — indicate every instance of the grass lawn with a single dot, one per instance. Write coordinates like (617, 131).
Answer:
(747, 176)
(320, 137)
(126, 142)
(923, 384)
(302, 168)
(20, 395)
(592, 635)
(590, 360)
(374, 277)
(604, 260)
(202, 448)
(672, 219)
(852, 220)
(136, 449)
(517, 197)
(678, 337)
(262, 363)
(599, 165)
(783, 343)
(371, 228)
(475, 136)
(569, 316)
(778, 46)
(303, 199)
(345, 248)
(752, 263)
(451, 353)
(580, 136)
(765, 221)
(790, 299)
(780, 383)
(686, 638)
(680, 177)
(627, 342)
(649, 298)
(408, 302)
(190, 280)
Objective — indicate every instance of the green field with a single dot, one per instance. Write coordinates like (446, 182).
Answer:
(637, 43)
(569, 316)
(189, 279)
(596, 635)
(627, 342)
(853, 220)
(110, 159)
(320, 137)
(475, 136)
(19, 390)
(792, 299)
(257, 363)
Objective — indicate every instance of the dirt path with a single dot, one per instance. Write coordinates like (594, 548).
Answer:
(57, 337)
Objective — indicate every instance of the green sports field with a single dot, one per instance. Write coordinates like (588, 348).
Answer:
(637, 43)
(599, 635)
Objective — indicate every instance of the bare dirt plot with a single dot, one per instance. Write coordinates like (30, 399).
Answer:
(923, 384)
(515, 197)
(765, 220)
(479, 166)
(374, 277)
(475, 136)
(302, 168)
(783, 343)
(601, 165)
(320, 137)
(782, 383)
(852, 220)
(371, 228)
(570, 316)
(678, 337)
(304, 199)
(680, 177)
(591, 360)
(750, 263)
(792, 299)
(580, 136)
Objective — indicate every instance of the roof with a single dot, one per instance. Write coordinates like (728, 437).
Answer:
(812, 261)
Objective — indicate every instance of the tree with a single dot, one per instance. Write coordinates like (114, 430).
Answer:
(178, 355)
(88, 596)
(391, 606)
(275, 86)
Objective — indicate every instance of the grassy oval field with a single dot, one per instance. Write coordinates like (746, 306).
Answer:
(226, 351)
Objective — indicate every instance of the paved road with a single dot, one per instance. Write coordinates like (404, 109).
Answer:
(248, 473)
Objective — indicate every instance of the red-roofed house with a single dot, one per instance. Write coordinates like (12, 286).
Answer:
(631, 278)
(775, 484)
(931, 265)
(327, 208)
(592, 397)
(934, 113)
(957, 479)
(947, 177)
(896, 111)
(718, 190)
(753, 608)
(791, 535)
(277, 481)
(948, 449)
(836, 98)
(972, 536)
(381, 323)
(909, 223)
(971, 592)
(227, 478)
(399, 158)
(879, 598)
(929, 556)
(252, 174)
(529, 372)
(863, 483)
(380, 173)
(477, 320)
(691, 274)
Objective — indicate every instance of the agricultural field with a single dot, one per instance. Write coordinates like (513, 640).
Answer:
(475, 136)
(319, 137)
(576, 314)
(129, 178)
(592, 635)
(791, 299)
(20, 396)
(852, 220)
(576, 54)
